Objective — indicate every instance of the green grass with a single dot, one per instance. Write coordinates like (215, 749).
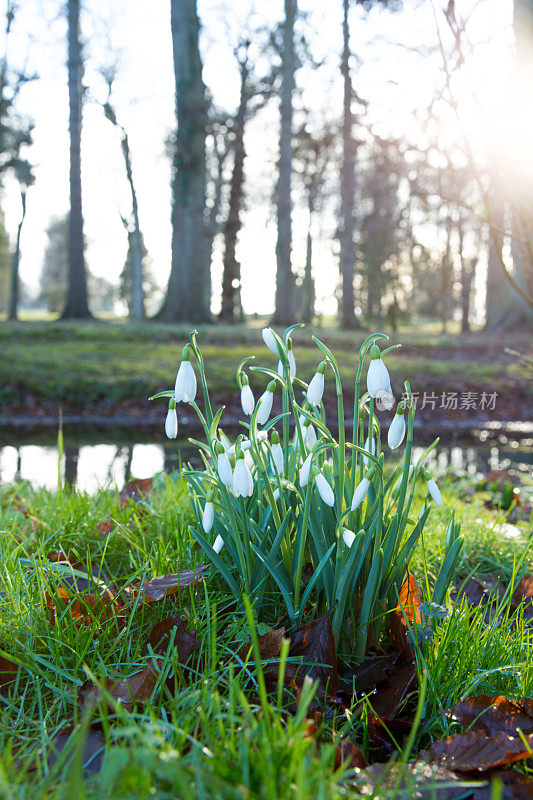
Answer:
(79, 364)
(213, 735)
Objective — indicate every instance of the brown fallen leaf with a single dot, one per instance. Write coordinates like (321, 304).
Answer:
(420, 781)
(156, 589)
(387, 735)
(269, 650)
(392, 693)
(475, 752)
(8, 674)
(523, 594)
(136, 688)
(372, 671)
(349, 756)
(409, 602)
(85, 608)
(92, 753)
(485, 593)
(70, 579)
(135, 490)
(491, 715)
(184, 643)
(315, 645)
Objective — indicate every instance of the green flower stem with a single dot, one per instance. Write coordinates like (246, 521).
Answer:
(199, 357)
(247, 550)
(302, 542)
(235, 529)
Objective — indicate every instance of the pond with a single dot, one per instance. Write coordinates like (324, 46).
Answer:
(99, 459)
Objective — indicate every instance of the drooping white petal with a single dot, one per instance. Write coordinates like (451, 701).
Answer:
(225, 472)
(218, 544)
(396, 432)
(384, 400)
(208, 516)
(370, 447)
(349, 537)
(270, 340)
(434, 491)
(265, 407)
(315, 389)
(185, 388)
(292, 365)
(324, 489)
(171, 423)
(377, 378)
(243, 484)
(277, 457)
(310, 437)
(247, 400)
(276, 494)
(305, 470)
(360, 493)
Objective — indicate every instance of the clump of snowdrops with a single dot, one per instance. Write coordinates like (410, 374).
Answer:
(287, 491)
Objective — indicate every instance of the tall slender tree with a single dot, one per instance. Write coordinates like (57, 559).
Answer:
(284, 309)
(77, 305)
(189, 287)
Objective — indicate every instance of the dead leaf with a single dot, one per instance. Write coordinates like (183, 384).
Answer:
(85, 609)
(421, 781)
(135, 490)
(156, 589)
(485, 593)
(387, 735)
(349, 756)
(136, 688)
(490, 715)
(409, 602)
(269, 650)
(390, 696)
(367, 675)
(184, 644)
(70, 579)
(93, 748)
(8, 674)
(475, 752)
(524, 594)
(314, 643)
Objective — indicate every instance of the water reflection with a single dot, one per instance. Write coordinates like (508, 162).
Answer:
(93, 466)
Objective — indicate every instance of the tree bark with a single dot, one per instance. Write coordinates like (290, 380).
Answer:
(231, 276)
(15, 262)
(188, 294)
(347, 228)
(284, 309)
(77, 306)
(137, 292)
(308, 285)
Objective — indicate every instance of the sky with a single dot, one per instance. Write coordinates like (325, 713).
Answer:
(391, 69)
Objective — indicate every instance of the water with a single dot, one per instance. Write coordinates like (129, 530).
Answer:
(110, 460)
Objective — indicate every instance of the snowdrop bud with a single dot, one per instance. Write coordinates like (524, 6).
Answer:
(208, 515)
(277, 452)
(247, 397)
(378, 379)
(361, 491)
(218, 544)
(349, 537)
(276, 494)
(225, 472)
(265, 404)
(270, 340)
(243, 485)
(397, 428)
(370, 447)
(310, 436)
(411, 470)
(324, 489)
(292, 361)
(315, 390)
(305, 470)
(433, 489)
(171, 422)
(185, 389)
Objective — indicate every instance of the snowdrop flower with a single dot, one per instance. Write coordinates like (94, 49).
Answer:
(185, 389)
(324, 489)
(225, 472)
(270, 340)
(265, 404)
(397, 428)
(276, 494)
(310, 437)
(247, 397)
(433, 489)
(378, 379)
(361, 490)
(208, 515)
(305, 470)
(218, 544)
(315, 390)
(277, 452)
(370, 447)
(243, 484)
(349, 537)
(171, 422)
(292, 363)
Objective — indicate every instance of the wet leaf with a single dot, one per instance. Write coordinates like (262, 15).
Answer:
(135, 490)
(85, 609)
(371, 672)
(93, 748)
(156, 589)
(184, 642)
(8, 674)
(475, 752)
(136, 688)
(390, 696)
(490, 715)
(314, 643)
(485, 593)
(524, 594)
(420, 781)
(75, 578)
(409, 602)
(387, 735)
(349, 756)
(269, 650)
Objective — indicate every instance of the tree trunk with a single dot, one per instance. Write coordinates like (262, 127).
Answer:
(77, 306)
(137, 292)
(231, 276)
(188, 294)
(284, 310)
(446, 275)
(308, 286)
(15, 262)
(347, 228)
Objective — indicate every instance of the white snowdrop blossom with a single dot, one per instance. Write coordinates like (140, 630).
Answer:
(270, 340)
(208, 516)
(396, 432)
(370, 447)
(218, 544)
(185, 388)
(310, 436)
(247, 397)
(276, 494)
(349, 537)
(324, 489)
(292, 364)
(433, 489)
(361, 491)
(305, 470)
(315, 390)
(265, 404)
(277, 453)
(171, 422)
(378, 379)
(243, 484)
(225, 472)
